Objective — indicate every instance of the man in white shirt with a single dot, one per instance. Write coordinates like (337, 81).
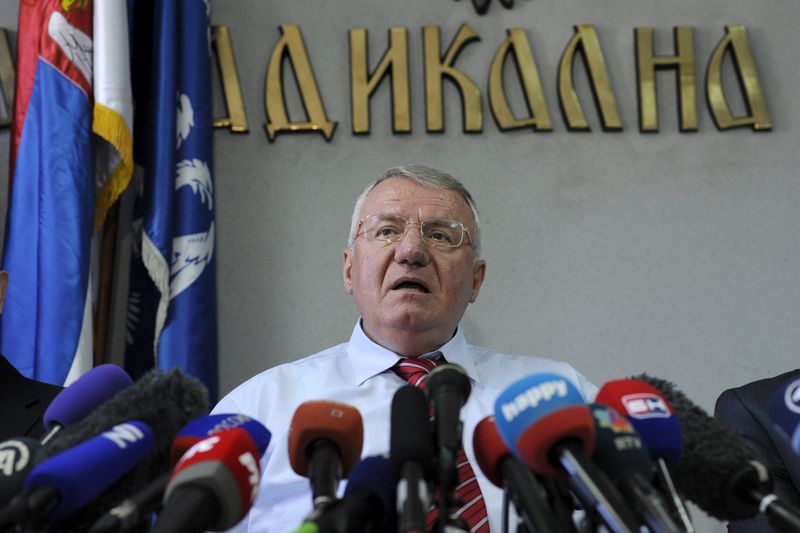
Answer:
(413, 266)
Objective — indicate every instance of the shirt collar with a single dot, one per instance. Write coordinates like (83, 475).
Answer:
(369, 359)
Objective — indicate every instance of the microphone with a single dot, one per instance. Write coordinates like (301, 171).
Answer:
(656, 424)
(543, 416)
(213, 486)
(325, 440)
(133, 509)
(784, 412)
(373, 475)
(530, 497)
(619, 452)
(411, 456)
(16, 460)
(367, 505)
(448, 389)
(209, 425)
(58, 487)
(165, 401)
(75, 402)
(718, 470)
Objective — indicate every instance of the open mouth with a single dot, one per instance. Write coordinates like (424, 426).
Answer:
(411, 285)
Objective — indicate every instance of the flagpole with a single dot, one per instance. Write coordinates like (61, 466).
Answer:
(102, 315)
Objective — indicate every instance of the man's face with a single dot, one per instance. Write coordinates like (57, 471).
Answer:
(411, 294)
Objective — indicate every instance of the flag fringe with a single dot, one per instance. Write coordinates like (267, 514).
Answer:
(158, 269)
(109, 125)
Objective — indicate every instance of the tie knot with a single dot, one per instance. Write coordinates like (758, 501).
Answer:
(415, 370)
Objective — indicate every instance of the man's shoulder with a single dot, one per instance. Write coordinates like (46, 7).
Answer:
(286, 379)
(498, 370)
(534, 363)
(755, 392)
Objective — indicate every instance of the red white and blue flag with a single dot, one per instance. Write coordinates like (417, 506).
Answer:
(45, 329)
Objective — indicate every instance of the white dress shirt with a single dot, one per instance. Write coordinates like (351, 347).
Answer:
(358, 373)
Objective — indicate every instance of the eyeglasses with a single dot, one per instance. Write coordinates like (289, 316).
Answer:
(438, 232)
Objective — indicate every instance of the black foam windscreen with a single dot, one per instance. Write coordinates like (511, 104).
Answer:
(411, 438)
(165, 401)
(715, 462)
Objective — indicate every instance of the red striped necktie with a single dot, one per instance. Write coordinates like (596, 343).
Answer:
(473, 508)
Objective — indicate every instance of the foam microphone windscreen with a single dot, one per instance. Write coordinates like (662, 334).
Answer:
(650, 413)
(321, 419)
(87, 392)
(16, 460)
(410, 437)
(374, 475)
(713, 455)
(784, 411)
(224, 466)
(490, 450)
(618, 450)
(537, 412)
(205, 426)
(165, 401)
(80, 473)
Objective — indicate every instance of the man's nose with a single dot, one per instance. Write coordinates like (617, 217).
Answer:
(411, 248)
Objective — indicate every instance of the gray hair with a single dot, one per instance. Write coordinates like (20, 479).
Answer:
(429, 177)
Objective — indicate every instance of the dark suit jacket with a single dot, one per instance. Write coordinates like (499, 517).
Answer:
(745, 410)
(22, 403)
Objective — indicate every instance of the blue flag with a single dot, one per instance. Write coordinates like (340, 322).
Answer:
(45, 329)
(172, 319)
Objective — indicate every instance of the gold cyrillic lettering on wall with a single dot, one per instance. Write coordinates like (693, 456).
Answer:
(291, 44)
(647, 62)
(517, 43)
(7, 77)
(236, 119)
(735, 39)
(362, 85)
(437, 67)
(585, 40)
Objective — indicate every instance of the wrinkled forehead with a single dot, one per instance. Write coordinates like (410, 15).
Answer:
(415, 201)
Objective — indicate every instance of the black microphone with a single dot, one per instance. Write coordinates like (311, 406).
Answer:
(530, 497)
(620, 453)
(367, 505)
(16, 460)
(165, 401)
(448, 388)
(784, 412)
(130, 513)
(719, 470)
(654, 420)
(411, 456)
(59, 486)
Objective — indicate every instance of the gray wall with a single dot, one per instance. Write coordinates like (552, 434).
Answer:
(673, 253)
(670, 253)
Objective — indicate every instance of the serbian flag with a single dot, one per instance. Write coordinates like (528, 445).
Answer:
(172, 318)
(45, 327)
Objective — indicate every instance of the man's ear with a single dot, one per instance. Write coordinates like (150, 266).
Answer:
(346, 270)
(478, 273)
(3, 287)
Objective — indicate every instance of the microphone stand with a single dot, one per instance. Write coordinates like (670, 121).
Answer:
(677, 506)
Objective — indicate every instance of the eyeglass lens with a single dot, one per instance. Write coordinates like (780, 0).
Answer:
(435, 231)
